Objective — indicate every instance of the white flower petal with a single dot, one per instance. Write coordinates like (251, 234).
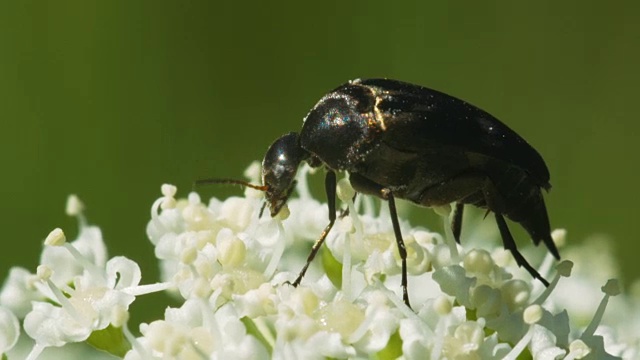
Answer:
(49, 325)
(543, 344)
(17, 293)
(9, 329)
(122, 273)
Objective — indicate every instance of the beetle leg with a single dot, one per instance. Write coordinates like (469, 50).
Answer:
(510, 245)
(456, 223)
(496, 203)
(388, 195)
(264, 205)
(330, 187)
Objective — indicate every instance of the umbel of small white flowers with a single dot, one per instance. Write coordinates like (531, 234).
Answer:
(228, 267)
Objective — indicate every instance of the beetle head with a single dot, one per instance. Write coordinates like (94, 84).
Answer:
(279, 169)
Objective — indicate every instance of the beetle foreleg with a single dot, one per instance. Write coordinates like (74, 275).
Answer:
(510, 245)
(330, 187)
(388, 195)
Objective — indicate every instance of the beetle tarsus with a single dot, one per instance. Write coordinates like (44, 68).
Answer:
(388, 195)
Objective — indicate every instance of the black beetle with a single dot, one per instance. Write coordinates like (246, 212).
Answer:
(399, 140)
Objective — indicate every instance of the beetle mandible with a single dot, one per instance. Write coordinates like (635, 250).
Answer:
(399, 140)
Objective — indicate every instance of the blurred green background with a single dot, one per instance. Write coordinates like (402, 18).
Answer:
(109, 100)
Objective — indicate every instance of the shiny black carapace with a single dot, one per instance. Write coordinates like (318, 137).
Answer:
(399, 140)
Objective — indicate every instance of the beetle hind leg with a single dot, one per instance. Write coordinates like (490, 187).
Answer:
(497, 203)
(510, 245)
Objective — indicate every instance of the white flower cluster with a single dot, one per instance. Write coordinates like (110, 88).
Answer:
(75, 293)
(230, 269)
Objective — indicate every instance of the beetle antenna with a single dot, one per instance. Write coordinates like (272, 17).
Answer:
(230, 181)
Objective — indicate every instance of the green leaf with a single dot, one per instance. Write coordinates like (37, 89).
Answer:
(393, 350)
(252, 329)
(332, 267)
(111, 340)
